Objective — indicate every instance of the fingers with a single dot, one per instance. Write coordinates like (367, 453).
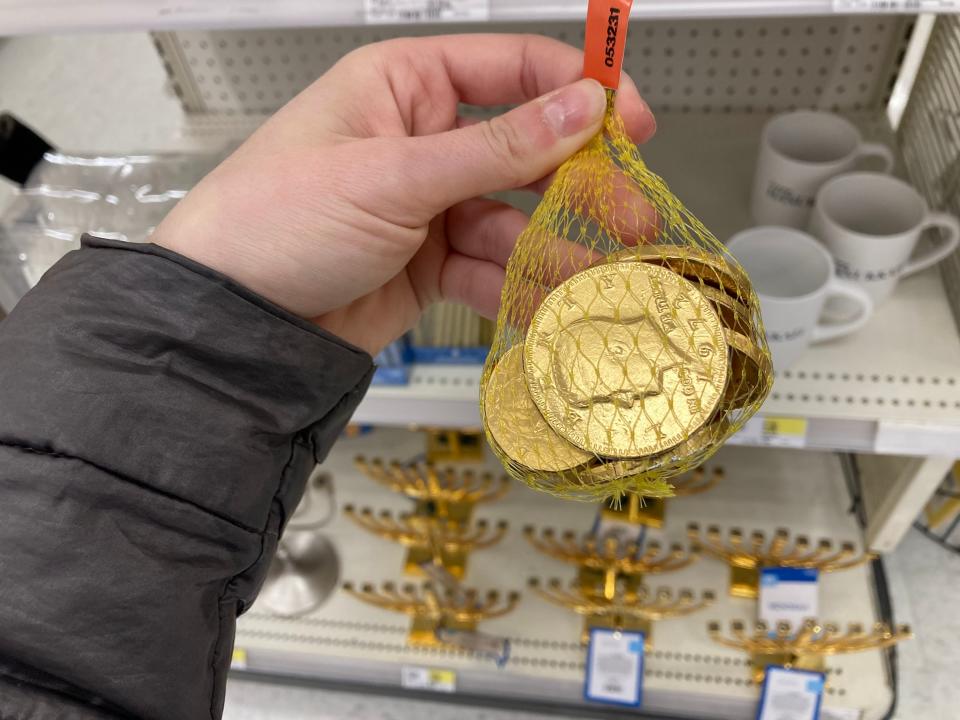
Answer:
(473, 282)
(626, 212)
(489, 69)
(488, 230)
(485, 229)
(638, 120)
(482, 234)
(620, 205)
(506, 152)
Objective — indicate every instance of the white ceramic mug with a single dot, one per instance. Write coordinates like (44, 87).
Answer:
(794, 277)
(799, 151)
(871, 224)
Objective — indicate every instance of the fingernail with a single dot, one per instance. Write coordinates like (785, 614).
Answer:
(650, 120)
(647, 121)
(571, 109)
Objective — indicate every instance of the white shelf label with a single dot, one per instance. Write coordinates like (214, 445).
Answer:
(895, 6)
(790, 432)
(838, 713)
(790, 695)
(421, 678)
(614, 667)
(393, 12)
(788, 595)
(906, 438)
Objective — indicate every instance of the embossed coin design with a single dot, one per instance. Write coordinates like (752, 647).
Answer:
(691, 263)
(702, 440)
(517, 425)
(626, 359)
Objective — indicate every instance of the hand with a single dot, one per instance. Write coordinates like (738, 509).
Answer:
(356, 205)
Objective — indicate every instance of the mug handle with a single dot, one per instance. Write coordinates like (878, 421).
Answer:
(944, 248)
(878, 150)
(847, 289)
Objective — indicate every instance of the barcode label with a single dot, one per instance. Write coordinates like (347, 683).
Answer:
(392, 12)
(895, 6)
(239, 659)
(773, 431)
(422, 678)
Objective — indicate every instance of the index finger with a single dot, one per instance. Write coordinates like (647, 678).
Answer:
(498, 69)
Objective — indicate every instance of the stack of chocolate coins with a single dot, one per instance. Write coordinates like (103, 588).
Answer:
(631, 370)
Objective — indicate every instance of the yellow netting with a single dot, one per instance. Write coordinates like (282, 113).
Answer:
(629, 344)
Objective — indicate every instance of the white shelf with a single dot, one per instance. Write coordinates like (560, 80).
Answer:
(686, 673)
(36, 16)
(893, 387)
(708, 161)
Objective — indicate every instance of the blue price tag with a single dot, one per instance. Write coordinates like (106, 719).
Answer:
(614, 667)
(790, 694)
(788, 595)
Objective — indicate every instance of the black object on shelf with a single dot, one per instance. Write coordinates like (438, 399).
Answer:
(21, 149)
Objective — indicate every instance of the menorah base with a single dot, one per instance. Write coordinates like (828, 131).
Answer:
(649, 511)
(625, 623)
(454, 562)
(598, 583)
(761, 661)
(744, 581)
(454, 445)
(423, 630)
(458, 512)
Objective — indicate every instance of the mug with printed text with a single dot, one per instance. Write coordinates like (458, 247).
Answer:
(871, 224)
(794, 277)
(799, 151)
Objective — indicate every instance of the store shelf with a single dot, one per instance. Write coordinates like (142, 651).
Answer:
(31, 16)
(894, 387)
(686, 673)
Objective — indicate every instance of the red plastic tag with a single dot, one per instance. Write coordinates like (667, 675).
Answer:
(605, 38)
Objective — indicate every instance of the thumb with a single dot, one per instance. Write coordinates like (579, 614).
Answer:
(508, 151)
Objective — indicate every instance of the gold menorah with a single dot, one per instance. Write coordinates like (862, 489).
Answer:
(746, 557)
(454, 445)
(632, 610)
(807, 648)
(651, 512)
(605, 562)
(448, 494)
(431, 610)
(429, 539)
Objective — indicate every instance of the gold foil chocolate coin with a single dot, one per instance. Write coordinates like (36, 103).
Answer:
(733, 314)
(750, 370)
(626, 359)
(691, 263)
(516, 424)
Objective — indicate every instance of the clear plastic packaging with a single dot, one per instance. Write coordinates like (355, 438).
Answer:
(120, 197)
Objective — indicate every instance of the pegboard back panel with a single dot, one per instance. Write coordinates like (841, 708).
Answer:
(743, 65)
(929, 135)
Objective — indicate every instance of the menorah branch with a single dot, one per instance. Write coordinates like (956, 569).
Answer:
(746, 556)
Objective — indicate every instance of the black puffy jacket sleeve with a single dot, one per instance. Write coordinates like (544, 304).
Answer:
(157, 426)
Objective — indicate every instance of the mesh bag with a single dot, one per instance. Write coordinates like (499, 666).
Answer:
(629, 344)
